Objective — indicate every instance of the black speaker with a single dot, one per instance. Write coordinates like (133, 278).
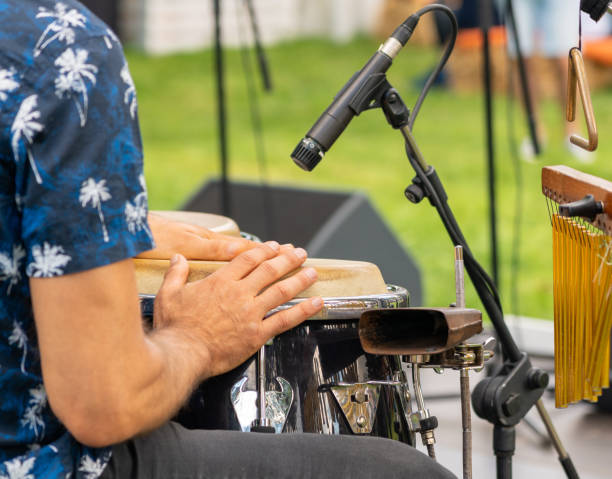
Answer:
(107, 10)
(328, 224)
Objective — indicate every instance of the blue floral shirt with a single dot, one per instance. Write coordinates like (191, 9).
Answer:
(72, 198)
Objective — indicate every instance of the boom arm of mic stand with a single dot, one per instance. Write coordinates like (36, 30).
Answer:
(506, 397)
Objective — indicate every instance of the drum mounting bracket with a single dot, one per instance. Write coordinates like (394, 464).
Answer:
(278, 404)
(359, 402)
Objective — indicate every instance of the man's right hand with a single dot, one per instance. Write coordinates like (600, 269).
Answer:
(107, 380)
(222, 315)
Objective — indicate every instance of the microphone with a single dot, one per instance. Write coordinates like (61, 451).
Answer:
(351, 100)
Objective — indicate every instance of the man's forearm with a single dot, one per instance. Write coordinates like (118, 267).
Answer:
(156, 380)
(106, 379)
(178, 365)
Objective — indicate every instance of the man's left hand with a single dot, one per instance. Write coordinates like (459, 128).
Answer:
(191, 241)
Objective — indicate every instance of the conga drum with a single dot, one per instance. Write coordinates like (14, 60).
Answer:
(317, 377)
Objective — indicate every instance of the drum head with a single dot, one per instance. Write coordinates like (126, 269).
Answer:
(336, 278)
(216, 223)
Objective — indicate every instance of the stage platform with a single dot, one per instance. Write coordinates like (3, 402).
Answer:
(585, 433)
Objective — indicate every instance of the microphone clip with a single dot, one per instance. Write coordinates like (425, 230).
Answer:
(377, 92)
(371, 94)
(394, 108)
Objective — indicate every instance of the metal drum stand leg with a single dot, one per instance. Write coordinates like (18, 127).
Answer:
(422, 419)
(464, 372)
(262, 423)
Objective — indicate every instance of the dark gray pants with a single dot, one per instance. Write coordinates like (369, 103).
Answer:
(173, 452)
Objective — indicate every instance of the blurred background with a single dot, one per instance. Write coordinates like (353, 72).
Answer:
(313, 47)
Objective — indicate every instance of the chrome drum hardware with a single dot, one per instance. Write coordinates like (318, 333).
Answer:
(358, 403)
(317, 378)
(278, 404)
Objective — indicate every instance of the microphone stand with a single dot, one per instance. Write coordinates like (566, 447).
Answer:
(516, 386)
(486, 22)
(525, 92)
(221, 97)
(261, 55)
(505, 397)
(221, 112)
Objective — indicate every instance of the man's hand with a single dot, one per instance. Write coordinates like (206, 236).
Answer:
(191, 241)
(107, 380)
(223, 313)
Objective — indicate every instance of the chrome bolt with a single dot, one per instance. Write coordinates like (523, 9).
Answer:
(428, 438)
(361, 421)
(360, 397)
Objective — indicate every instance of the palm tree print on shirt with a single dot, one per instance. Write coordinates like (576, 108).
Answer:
(32, 417)
(109, 38)
(129, 97)
(92, 469)
(19, 469)
(9, 266)
(95, 192)
(61, 28)
(26, 126)
(48, 261)
(19, 338)
(136, 213)
(73, 72)
(7, 82)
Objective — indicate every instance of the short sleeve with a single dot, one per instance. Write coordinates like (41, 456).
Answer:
(80, 183)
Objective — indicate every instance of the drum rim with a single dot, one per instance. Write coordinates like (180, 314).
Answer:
(335, 307)
(351, 307)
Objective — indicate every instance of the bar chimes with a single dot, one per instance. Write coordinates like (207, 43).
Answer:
(580, 208)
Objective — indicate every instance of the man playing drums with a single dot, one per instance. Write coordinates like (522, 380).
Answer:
(85, 390)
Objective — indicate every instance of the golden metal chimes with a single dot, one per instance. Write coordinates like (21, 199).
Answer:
(580, 208)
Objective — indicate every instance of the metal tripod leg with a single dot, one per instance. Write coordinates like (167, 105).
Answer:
(564, 458)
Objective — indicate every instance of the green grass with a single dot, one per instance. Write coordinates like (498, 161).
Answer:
(178, 118)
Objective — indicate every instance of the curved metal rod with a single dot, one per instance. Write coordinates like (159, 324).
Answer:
(577, 79)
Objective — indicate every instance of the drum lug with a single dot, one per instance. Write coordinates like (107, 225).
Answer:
(358, 403)
(245, 404)
(278, 404)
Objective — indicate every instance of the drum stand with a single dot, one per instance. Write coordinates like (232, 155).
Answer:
(464, 356)
(262, 423)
